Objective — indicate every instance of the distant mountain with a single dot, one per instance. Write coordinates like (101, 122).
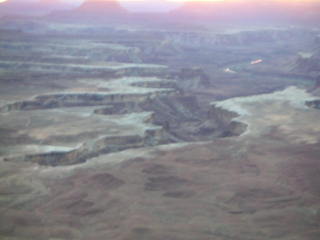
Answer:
(108, 7)
(92, 11)
(40, 7)
(249, 11)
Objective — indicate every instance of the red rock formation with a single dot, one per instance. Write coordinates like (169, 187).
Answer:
(101, 6)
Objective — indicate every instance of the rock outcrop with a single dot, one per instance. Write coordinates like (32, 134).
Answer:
(106, 8)
(314, 104)
(182, 118)
(191, 78)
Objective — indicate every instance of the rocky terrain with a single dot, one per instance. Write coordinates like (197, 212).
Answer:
(130, 132)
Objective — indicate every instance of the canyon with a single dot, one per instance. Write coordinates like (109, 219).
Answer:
(147, 130)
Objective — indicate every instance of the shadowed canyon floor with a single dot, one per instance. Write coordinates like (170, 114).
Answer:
(124, 134)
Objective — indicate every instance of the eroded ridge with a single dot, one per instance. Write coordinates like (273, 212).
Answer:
(102, 117)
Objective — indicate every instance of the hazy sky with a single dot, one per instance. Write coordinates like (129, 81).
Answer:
(155, 5)
(161, 1)
(134, 5)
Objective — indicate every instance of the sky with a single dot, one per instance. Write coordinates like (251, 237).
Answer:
(163, 1)
(149, 1)
(156, 5)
